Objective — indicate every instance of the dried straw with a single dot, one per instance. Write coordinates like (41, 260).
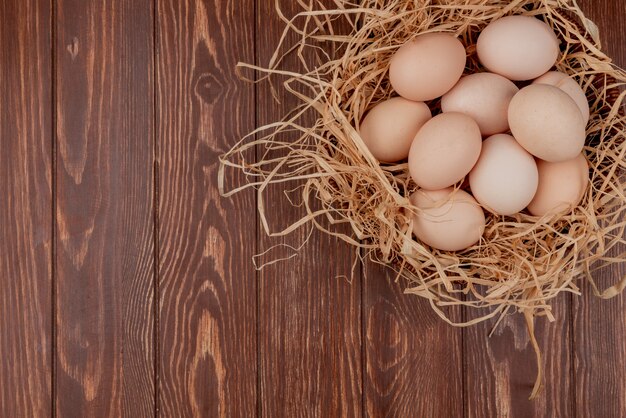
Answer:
(522, 262)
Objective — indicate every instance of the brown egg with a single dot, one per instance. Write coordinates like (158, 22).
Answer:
(444, 150)
(427, 67)
(389, 128)
(547, 123)
(485, 97)
(504, 180)
(448, 220)
(561, 186)
(569, 86)
(518, 47)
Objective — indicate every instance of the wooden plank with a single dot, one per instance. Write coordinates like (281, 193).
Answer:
(26, 209)
(104, 216)
(500, 371)
(600, 325)
(309, 319)
(413, 358)
(208, 305)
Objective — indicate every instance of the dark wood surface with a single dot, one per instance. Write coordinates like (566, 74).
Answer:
(413, 359)
(309, 319)
(126, 282)
(26, 190)
(207, 333)
(104, 229)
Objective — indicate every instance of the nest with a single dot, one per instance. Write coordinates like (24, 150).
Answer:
(522, 262)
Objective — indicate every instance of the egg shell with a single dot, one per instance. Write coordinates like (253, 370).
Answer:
(444, 150)
(448, 220)
(561, 185)
(485, 97)
(518, 47)
(427, 67)
(389, 128)
(547, 123)
(505, 178)
(569, 86)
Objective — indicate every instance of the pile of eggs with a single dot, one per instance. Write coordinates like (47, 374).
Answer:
(518, 149)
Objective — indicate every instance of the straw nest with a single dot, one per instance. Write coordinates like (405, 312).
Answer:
(522, 262)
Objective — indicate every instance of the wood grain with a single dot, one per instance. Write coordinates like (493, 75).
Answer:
(207, 341)
(309, 318)
(500, 371)
(107, 167)
(599, 326)
(413, 358)
(104, 214)
(25, 209)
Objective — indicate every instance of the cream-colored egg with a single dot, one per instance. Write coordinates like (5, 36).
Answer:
(561, 185)
(547, 123)
(569, 86)
(518, 47)
(505, 178)
(448, 220)
(427, 67)
(444, 150)
(485, 97)
(389, 128)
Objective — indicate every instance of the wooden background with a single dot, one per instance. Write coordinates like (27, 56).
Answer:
(126, 282)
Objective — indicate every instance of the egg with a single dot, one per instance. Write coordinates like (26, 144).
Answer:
(570, 87)
(547, 123)
(444, 150)
(427, 67)
(485, 97)
(448, 220)
(389, 128)
(561, 185)
(518, 47)
(505, 178)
